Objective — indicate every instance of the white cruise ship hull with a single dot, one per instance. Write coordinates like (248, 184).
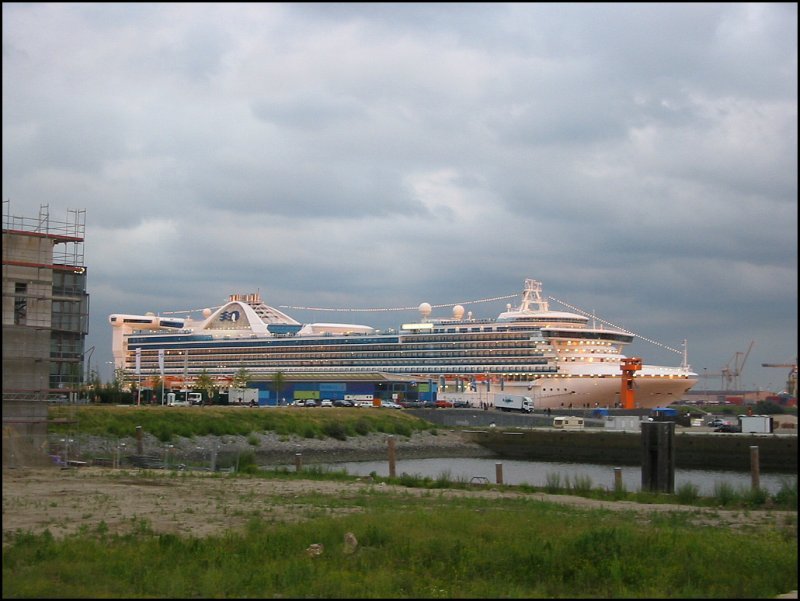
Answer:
(581, 392)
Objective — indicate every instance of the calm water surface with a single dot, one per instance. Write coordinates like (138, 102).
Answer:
(535, 473)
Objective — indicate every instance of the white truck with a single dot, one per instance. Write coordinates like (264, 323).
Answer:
(513, 402)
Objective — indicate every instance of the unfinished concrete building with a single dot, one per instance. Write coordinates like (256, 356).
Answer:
(45, 307)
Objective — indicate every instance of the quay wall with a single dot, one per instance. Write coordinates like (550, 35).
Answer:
(531, 437)
(777, 452)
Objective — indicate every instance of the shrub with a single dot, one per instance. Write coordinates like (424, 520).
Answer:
(688, 493)
(581, 484)
(724, 493)
(402, 429)
(335, 430)
(247, 463)
(553, 482)
(756, 497)
(787, 495)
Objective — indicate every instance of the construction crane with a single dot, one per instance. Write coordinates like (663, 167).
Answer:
(791, 380)
(730, 376)
(734, 372)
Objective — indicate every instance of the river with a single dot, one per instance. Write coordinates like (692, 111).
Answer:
(538, 473)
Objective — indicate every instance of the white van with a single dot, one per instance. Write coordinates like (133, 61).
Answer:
(173, 401)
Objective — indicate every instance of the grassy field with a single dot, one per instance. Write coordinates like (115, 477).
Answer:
(425, 545)
(416, 537)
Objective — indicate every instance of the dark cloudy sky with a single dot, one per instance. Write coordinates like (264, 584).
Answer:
(638, 159)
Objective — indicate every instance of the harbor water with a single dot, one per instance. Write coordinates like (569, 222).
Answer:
(540, 473)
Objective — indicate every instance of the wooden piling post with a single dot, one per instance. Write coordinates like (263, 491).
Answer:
(392, 457)
(617, 479)
(498, 472)
(755, 476)
(298, 462)
(139, 441)
(658, 456)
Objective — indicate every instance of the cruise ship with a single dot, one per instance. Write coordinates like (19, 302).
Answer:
(557, 358)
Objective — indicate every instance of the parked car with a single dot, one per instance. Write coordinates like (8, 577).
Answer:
(717, 422)
(326, 403)
(342, 403)
(310, 403)
(461, 404)
(728, 428)
(390, 405)
(444, 404)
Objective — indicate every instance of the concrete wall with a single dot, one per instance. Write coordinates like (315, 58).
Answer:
(25, 434)
(777, 453)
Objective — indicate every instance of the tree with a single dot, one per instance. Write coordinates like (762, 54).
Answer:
(118, 384)
(73, 381)
(205, 383)
(278, 384)
(768, 408)
(241, 378)
(158, 387)
(92, 386)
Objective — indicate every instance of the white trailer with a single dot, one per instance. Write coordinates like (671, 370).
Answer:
(756, 424)
(242, 396)
(514, 402)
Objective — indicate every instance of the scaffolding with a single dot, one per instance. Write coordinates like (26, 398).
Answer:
(45, 305)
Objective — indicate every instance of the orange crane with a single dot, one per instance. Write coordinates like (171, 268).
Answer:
(791, 381)
(630, 365)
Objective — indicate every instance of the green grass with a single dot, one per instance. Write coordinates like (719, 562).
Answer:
(416, 547)
(168, 423)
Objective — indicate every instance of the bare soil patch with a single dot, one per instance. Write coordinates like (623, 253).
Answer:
(66, 501)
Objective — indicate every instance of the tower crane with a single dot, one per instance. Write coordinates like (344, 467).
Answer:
(791, 380)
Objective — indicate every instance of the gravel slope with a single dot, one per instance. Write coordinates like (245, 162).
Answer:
(272, 449)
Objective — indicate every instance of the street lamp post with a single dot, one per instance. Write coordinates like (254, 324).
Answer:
(120, 446)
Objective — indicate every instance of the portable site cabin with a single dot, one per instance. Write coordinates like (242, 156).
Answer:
(568, 422)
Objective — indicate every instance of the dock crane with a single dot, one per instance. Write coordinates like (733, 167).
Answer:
(730, 375)
(791, 380)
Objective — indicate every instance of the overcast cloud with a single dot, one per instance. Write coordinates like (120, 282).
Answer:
(638, 159)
